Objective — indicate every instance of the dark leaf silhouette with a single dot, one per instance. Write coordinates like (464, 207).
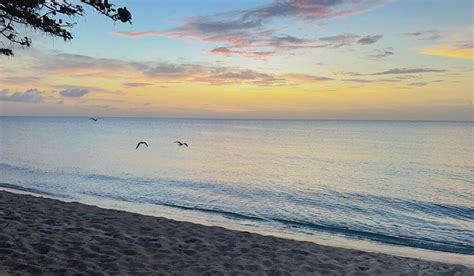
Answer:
(54, 18)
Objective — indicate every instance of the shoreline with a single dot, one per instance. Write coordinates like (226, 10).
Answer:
(320, 238)
(44, 235)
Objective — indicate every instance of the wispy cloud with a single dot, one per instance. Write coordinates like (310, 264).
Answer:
(349, 39)
(29, 96)
(68, 86)
(392, 75)
(228, 75)
(20, 79)
(379, 54)
(166, 70)
(399, 71)
(309, 9)
(156, 73)
(225, 51)
(255, 18)
(135, 84)
(74, 92)
(370, 39)
(425, 35)
(75, 65)
(139, 33)
(245, 32)
(358, 80)
(308, 78)
(418, 84)
(267, 43)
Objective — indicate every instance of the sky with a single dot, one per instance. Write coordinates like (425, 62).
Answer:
(274, 59)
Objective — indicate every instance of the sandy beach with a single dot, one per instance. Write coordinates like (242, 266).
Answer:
(42, 235)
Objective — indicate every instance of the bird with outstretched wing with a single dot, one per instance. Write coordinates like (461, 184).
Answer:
(141, 143)
(181, 143)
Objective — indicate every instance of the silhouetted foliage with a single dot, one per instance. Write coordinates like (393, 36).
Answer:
(53, 17)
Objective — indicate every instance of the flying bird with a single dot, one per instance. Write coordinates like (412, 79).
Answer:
(180, 143)
(144, 143)
(94, 119)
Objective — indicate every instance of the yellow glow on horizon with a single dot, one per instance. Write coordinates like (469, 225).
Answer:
(233, 93)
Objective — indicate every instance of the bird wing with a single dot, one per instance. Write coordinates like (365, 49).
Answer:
(137, 146)
(177, 142)
(145, 144)
(185, 144)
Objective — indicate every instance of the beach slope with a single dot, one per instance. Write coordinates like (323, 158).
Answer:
(42, 235)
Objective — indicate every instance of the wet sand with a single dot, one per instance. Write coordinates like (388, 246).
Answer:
(41, 235)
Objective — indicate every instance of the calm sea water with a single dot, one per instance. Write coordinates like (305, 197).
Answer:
(402, 183)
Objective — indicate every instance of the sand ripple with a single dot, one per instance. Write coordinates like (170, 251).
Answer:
(40, 235)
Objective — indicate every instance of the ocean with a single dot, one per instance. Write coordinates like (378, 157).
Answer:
(356, 184)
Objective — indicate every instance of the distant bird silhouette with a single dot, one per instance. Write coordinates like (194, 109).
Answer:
(94, 119)
(180, 143)
(144, 143)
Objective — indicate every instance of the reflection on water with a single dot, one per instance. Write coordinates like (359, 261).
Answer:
(404, 183)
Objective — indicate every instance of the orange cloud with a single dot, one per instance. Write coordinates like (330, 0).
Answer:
(451, 52)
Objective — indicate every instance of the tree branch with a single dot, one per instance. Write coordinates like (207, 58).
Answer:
(43, 16)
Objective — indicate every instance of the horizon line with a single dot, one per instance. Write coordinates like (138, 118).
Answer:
(243, 119)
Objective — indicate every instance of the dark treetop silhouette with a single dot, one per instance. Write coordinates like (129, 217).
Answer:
(140, 143)
(50, 17)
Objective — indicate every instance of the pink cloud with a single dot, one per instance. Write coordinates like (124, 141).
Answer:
(139, 34)
(243, 32)
(229, 52)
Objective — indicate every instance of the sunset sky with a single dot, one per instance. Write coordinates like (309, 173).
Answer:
(295, 59)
